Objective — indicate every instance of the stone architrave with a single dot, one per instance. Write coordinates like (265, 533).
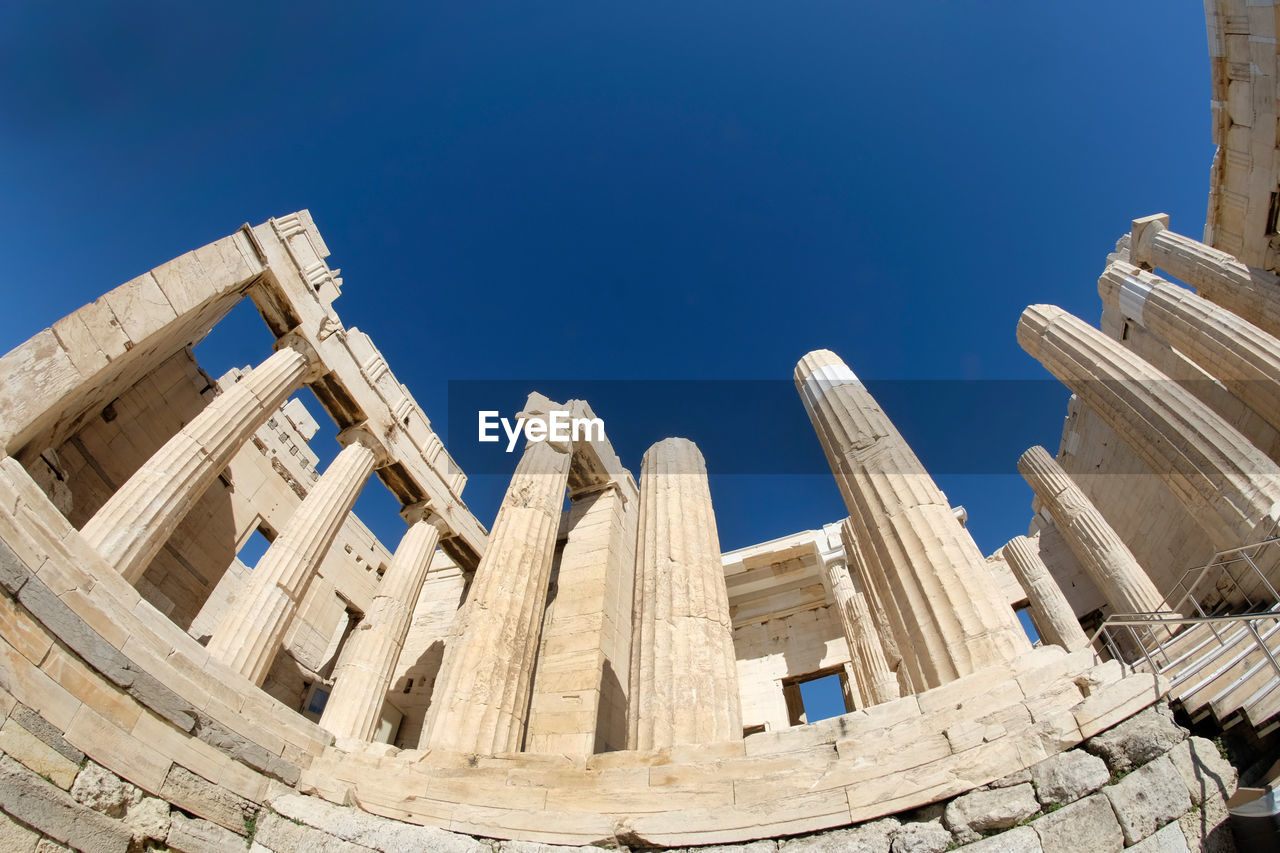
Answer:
(1097, 546)
(133, 525)
(364, 673)
(1050, 609)
(481, 699)
(1229, 486)
(684, 673)
(1246, 291)
(1239, 354)
(249, 635)
(937, 586)
(876, 682)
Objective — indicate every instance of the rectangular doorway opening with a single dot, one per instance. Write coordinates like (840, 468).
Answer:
(817, 696)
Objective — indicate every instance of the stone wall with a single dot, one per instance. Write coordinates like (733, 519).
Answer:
(1143, 784)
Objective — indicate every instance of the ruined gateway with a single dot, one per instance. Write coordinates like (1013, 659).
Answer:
(346, 694)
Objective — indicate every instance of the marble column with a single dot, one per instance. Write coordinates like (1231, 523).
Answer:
(1232, 350)
(133, 525)
(876, 682)
(579, 704)
(1052, 614)
(873, 584)
(684, 673)
(249, 635)
(1229, 486)
(363, 675)
(1106, 559)
(943, 595)
(1250, 293)
(481, 698)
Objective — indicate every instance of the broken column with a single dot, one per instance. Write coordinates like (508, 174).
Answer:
(133, 525)
(684, 671)
(1229, 486)
(938, 588)
(1050, 611)
(364, 673)
(481, 698)
(249, 635)
(1108, 561)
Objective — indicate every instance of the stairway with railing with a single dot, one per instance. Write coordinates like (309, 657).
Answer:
(1216, 639)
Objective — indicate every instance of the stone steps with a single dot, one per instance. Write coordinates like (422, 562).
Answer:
(1227, 676)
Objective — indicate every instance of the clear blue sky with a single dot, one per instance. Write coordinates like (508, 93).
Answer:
(572, 190)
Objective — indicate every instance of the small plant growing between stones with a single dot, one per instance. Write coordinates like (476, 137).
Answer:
(250, 828)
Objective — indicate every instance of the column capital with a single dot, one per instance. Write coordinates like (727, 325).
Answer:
(361, 434)
(1143, 232)
(538, 408)
(423, 511)
(596, 488)
(296, 341)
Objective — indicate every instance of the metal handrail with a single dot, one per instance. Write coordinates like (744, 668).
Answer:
(1167, 618)
(1219, 560)
(1163, 618)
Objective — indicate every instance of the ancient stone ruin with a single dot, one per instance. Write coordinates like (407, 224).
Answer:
(602, 674)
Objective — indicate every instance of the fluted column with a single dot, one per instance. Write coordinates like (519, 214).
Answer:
(1229, 486)
(943, 594)
(133, 525)
(873, 584)
(250, 633)
(1251, 293)
(684, 672)
(876, 682)
(1104, 556)
(481, 698)
(1050, 610)
(363, 675)
(1239, 354)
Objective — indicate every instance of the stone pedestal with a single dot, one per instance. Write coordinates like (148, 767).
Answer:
(250, 633)
(684, 670)
(1230, 487)
(364, 673)
(1050, 609)
(876, 682)
(1239, 354)
(937, 585)
(133, 525)
(481, 698)
(1104, 556)
(1250, 293)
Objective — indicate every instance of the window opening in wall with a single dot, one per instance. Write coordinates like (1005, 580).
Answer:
(255, 546)
(316, 700)
(1024, 618)
(817, 696)
(753, 730)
